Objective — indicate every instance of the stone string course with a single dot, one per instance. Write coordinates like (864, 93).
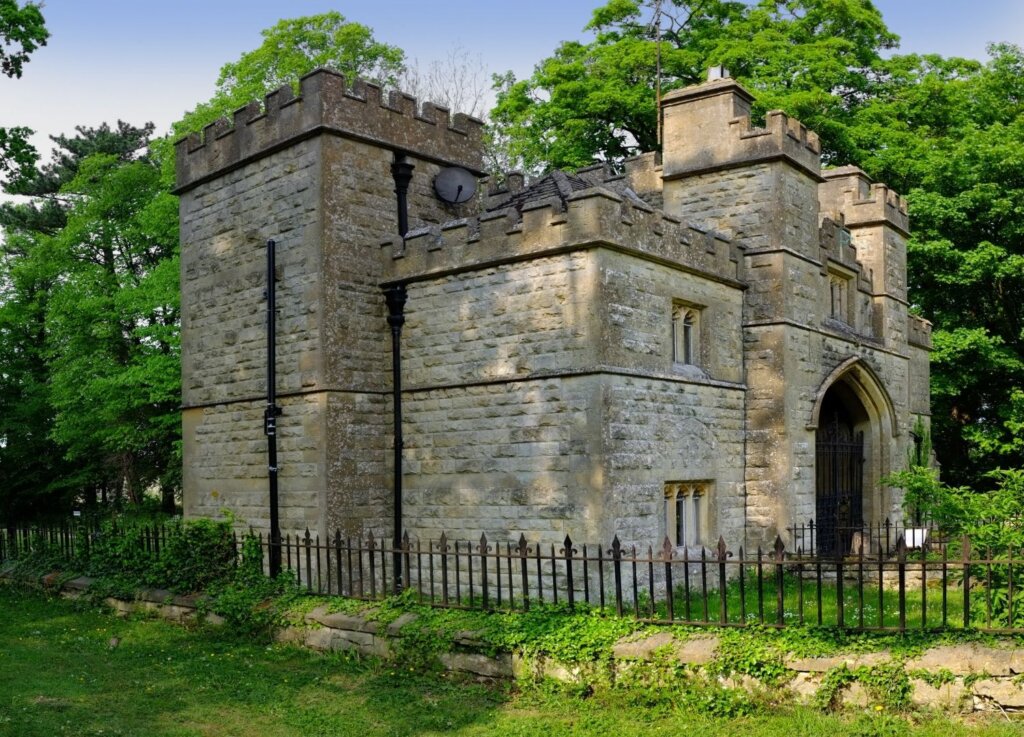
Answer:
(976, 677)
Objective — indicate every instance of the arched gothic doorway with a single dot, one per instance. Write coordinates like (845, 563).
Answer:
(839, 469)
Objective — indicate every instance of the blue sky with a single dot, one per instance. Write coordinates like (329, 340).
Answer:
(142, 61)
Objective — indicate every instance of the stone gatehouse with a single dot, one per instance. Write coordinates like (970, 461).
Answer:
(711, 341)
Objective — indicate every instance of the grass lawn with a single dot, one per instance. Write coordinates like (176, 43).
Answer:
(67, 670)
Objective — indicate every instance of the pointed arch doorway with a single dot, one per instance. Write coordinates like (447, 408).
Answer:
(839, 469)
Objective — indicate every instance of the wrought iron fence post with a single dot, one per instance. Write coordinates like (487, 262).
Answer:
(616, 553)
(337, 560)
(484, 548)
(780, 602)
(966, 551)
(524, 551)
(666, 555)
(723, 607)
(901, 567)
(371, 545)
(840, 595)
(743, 588)
(406, 549)
(442, 548)
(567, 552)
(308, 541)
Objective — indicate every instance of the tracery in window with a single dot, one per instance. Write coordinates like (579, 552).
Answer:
(839, 297)
(686, 512)
(685, 334)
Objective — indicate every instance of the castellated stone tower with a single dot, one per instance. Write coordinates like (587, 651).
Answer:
(828, 346)
(687, 348)
(313, 172)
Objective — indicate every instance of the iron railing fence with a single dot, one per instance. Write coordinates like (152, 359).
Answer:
(940, 584)
(875, 539)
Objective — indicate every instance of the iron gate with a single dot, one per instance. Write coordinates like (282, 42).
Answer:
(840, 485)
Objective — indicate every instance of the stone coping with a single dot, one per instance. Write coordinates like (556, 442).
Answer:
(961, 677)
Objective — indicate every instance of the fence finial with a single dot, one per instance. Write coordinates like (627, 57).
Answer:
(667, 550)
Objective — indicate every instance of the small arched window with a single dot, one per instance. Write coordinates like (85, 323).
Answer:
(686, 512)
(686, 335)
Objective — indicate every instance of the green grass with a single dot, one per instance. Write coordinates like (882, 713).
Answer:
(60, 674)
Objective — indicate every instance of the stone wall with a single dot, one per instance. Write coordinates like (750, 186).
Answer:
(503, 459)
(543, 390)
(224, 225)
(312, 172)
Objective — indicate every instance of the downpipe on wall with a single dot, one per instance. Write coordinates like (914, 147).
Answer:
(272, 412)
(395, 297)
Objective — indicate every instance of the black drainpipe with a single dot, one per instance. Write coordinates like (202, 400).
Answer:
(395, 297)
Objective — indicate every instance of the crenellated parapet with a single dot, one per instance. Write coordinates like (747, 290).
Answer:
(327, 104)
(836, 243)
(919, 332)
(708, 127)
(837, 247)
(595, 217)
(849, 192)
(639, 174)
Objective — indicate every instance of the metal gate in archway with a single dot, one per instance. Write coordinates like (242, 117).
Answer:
(840, 483)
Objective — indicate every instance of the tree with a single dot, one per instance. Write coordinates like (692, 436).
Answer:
(950, 134)
(38, 474)
(596, 101)
(112, 327)
(290, 49)
(22, 31)
(458, 81)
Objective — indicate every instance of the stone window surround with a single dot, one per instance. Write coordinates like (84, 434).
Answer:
(686, 512)
(842, 289)
(687, 340)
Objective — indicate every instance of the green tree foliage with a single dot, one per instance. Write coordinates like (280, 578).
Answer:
(291, 49)
(89, 296)
(112, 325)
(22, 31)
(950, 134)
(814, 58)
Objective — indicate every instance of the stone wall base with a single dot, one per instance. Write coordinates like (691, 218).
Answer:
(959, 678)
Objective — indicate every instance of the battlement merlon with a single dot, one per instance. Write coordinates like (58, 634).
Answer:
(838, 246)
(707, 128)
(326, 104)
(593, 218)
(850, 193)
(919, 332)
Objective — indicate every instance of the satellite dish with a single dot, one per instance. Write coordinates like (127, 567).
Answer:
(455, 185)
